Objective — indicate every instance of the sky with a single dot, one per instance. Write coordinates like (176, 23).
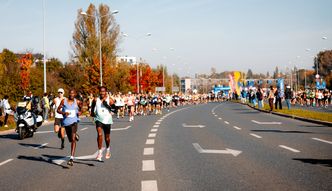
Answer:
(188, 36)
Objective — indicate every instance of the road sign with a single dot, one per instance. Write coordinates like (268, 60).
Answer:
(175, 89)
(160, 89)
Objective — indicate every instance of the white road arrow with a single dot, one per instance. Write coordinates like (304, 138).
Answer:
(61, 160)
(199, 126)
(211, 151)
(266, 123)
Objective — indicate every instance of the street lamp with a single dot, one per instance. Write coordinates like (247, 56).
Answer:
(44, 60)
(99, 32)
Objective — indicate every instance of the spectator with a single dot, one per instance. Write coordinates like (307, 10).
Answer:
(271, 97)
(6, 108)
(278, 98)
(288, 96)
(45, 103)
(259, 95)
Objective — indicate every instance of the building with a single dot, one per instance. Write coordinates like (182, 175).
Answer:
(201, 85)
(128, 59)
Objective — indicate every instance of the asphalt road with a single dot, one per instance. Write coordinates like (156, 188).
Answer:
(215, 146)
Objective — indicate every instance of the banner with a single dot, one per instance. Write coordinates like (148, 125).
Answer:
(237, 79)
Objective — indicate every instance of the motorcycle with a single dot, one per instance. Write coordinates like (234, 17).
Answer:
(26, 120)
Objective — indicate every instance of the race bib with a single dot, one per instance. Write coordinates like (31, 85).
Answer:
(72, 113)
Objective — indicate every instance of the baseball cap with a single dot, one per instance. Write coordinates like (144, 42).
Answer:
(60, 90)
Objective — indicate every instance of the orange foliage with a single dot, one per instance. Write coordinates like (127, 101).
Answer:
(26, 62)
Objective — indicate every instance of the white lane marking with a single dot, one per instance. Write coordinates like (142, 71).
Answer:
(290, 149)
(6, 161)
(215, 107)
(226, 122)
(149, 185)
(212, 151)
(220, 118)
(148, 165)
(40, 146)
(185, 125)
(154, 130)
(156, 126)
(216, 115)
(322, 140)
(152, 135)
(254, 135)
(267, 123)
(42, 132)
(121, 129)
(237, 128)
(149, 141)
(84, 129)
(157, 123)
(61, 160)
(148, 151)
(160, 120)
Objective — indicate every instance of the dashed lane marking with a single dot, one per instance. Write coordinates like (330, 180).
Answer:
(289, 148)
(149, 185)
(152, 135)
(254, 135)
(156, 126)
(148, 151)
(148, 165)
(322, 140)
(5, 162)
(149, 141)
(226, 122)
(237, 128)
(41, 146)
(154, 130)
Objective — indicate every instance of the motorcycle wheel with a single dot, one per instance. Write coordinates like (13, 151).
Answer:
(21, 132)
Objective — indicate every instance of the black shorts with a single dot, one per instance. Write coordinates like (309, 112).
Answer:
(70, 130)
(106, 127)
(58, 121)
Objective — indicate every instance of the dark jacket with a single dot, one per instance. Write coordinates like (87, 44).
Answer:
(288, 93)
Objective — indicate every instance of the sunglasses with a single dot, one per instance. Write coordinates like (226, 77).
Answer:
(60, 92)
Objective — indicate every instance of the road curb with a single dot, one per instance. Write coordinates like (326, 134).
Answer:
(329, 124)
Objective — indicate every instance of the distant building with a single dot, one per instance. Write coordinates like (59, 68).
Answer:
(128, 59)
(202, 85)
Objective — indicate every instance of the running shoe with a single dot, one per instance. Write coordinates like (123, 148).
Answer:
(99, 157)
(108, 154)
(70, 162)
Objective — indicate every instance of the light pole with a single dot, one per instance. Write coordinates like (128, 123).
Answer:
(99, 32)
(44, 60)
(137, 72)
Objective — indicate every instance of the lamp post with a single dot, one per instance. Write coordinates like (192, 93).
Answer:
(137, 63)
(99, 32)
(44, 60)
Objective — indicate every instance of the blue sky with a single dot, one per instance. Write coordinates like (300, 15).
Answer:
(227, 35)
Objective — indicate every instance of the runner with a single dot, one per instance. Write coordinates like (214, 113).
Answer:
(130, 104)
(70, 108)
(101, 111)
(58, 127)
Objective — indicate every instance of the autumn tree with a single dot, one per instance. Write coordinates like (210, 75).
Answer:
(324, 64)
(97, 25)
(26, 62)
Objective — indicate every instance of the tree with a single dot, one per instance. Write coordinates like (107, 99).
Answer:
(26, 62)
(85, 44)
(324, 63)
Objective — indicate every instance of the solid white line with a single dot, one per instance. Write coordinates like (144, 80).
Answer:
(148, 151)
(43, 145)
(151, 135)
(254, 135)
(84, 129)
(238, 128)
(149, 141)
(6, 161)
(156, 126)
(121, 129)
(154, 130)
(220, 118)
(290, 149)
(226, 122)
(322, 140)
(149, 185)
(148, 165)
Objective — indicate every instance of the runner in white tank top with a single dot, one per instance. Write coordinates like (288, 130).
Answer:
(58, 127)
(101, 111)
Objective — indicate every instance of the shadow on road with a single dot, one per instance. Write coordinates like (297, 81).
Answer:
(280, 131)
(322, 162)
(49, 159)
(37, 145)
(9, 136)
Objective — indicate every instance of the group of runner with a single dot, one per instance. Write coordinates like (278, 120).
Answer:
(103, 106)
